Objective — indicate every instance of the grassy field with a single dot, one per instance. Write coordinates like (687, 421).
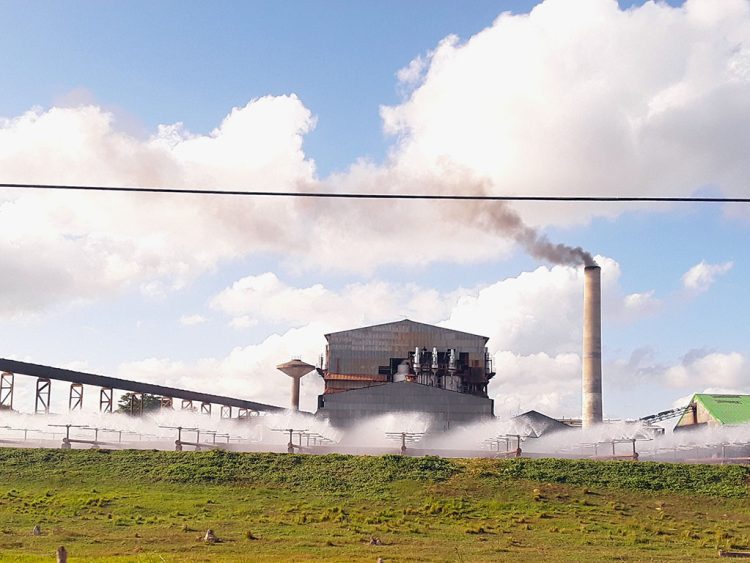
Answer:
(156, 506)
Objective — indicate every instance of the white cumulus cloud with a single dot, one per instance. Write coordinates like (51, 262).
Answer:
(653, 100)
(265, 297)
(642, 303)
(62, 247)
(595, 100)
(192, 320)
(714, 369)
(703, 275)
(548, 384)
(243, 322)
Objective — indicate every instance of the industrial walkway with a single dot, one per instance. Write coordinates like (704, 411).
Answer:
(45, 374)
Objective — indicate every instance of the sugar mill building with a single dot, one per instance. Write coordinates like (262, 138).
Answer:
(715, 410)
(405, 366)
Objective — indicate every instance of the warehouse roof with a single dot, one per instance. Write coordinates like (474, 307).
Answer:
(726, 409)
(407, 324)
(540, 423)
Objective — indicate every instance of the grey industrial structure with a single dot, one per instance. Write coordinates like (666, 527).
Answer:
(406, 366)
(410, 366)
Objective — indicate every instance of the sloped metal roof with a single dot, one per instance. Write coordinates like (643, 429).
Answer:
(541, 423)
(726, 409)
(408, 323)
(354, 377)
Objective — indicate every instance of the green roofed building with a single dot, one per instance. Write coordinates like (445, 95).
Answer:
(715, 410)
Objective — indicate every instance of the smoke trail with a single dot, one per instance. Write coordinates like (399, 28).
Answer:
(502, 219)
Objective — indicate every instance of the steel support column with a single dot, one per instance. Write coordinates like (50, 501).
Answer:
(105, 399)
(187, 405)
(6, 391)
(226, 411)
(75, 400)
(136, 404)
(166, 403)
(206, 408)
(43, 387)
(242, 413)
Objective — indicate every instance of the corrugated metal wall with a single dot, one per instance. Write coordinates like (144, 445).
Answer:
(363, 350)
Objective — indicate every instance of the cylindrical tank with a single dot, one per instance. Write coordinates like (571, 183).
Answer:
(296, 369)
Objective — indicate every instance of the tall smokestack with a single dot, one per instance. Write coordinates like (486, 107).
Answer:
(592, 346)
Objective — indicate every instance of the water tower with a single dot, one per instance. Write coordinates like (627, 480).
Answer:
(296, 369)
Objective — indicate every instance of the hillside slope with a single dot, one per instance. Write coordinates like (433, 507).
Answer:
(154, 506)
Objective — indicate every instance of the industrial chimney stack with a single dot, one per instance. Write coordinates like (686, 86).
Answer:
(592, 346)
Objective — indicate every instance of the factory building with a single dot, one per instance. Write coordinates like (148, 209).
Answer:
(715, 410)
(405, 366)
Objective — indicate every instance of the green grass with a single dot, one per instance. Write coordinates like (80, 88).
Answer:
(155, 506)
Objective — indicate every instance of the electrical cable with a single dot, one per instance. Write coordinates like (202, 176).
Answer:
(402, 196)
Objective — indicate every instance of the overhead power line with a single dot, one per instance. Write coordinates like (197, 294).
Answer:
(350, 195)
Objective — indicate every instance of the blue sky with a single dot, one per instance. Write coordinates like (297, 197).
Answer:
(146, 305)
(163, 62)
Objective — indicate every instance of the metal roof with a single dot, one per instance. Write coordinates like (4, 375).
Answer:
(354, 377)
(408, 323)
(541, 423)
(726, 409)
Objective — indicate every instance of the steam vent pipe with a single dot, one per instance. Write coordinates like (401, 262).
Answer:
(592, 346)
(296, 369)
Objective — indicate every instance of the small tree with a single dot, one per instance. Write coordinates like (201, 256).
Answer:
(129, 403)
